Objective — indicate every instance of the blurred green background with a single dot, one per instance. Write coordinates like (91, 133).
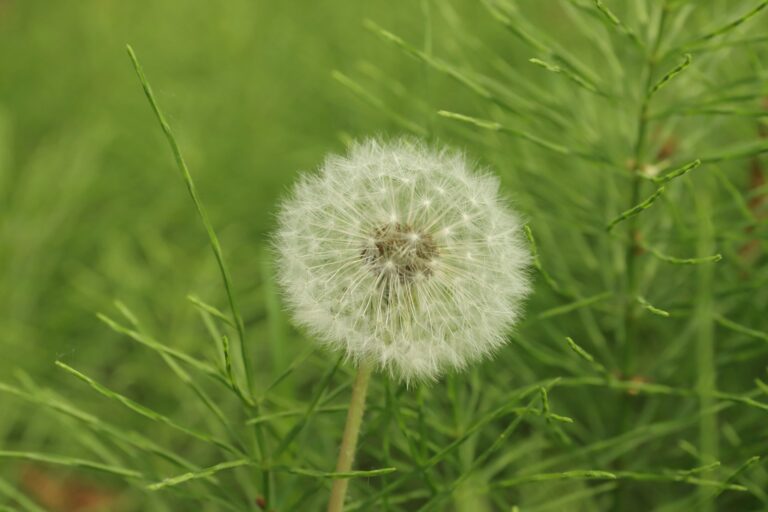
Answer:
(92, 205)
(92, 208)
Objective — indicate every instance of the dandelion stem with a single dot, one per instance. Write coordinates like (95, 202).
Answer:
(351, 433)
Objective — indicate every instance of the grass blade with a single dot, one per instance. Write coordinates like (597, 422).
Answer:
(636, 209)
(70, 462)
(194, 475)
(145, 411)
(670, 75)
(212, 237)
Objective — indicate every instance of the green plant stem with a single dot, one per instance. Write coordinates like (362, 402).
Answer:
(349, 440)
(705, 343)
(633, 247)
(213, 239)
(629, 305)
(192, 189)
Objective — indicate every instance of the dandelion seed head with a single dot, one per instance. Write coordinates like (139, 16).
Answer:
(402, 255)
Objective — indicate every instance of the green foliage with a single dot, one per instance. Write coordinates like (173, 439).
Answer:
(636, 380)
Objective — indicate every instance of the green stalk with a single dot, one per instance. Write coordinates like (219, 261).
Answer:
(705, 345)
(213, 240)
(632, 249)
(349, 439)
(629, 304)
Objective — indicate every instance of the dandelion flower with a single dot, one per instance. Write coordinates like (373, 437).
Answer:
(402, 256)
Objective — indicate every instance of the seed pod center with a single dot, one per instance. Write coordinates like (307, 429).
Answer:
(400, 252)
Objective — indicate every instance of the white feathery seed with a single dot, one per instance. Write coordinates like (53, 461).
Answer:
(401, 255)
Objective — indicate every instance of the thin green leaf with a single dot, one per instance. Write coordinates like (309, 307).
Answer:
(569, 74)
(588, 474)
(462, 77)
(733, 476)
(729, 26)
(194, 475)
(741, 329)
(682, 261)
(336, 475)
(650, 307)
(747, 150)
(192, 189)
(589, 358)
(71, 462)
(375, 102)
(676, 173)
(498, 127)
(203, 306)
(644, 205)
(614, 21)
(145, 411)
(537, 260)
(671, 74)
(162, 349)
(286, 441)
(573, 306)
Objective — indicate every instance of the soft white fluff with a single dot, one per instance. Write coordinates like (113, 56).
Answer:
(400, 254)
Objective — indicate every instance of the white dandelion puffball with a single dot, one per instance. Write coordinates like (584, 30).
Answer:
(399, 254)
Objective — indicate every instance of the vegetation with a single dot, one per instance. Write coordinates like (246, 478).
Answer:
(143, 371)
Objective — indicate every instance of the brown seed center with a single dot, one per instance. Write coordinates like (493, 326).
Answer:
(400, 251)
